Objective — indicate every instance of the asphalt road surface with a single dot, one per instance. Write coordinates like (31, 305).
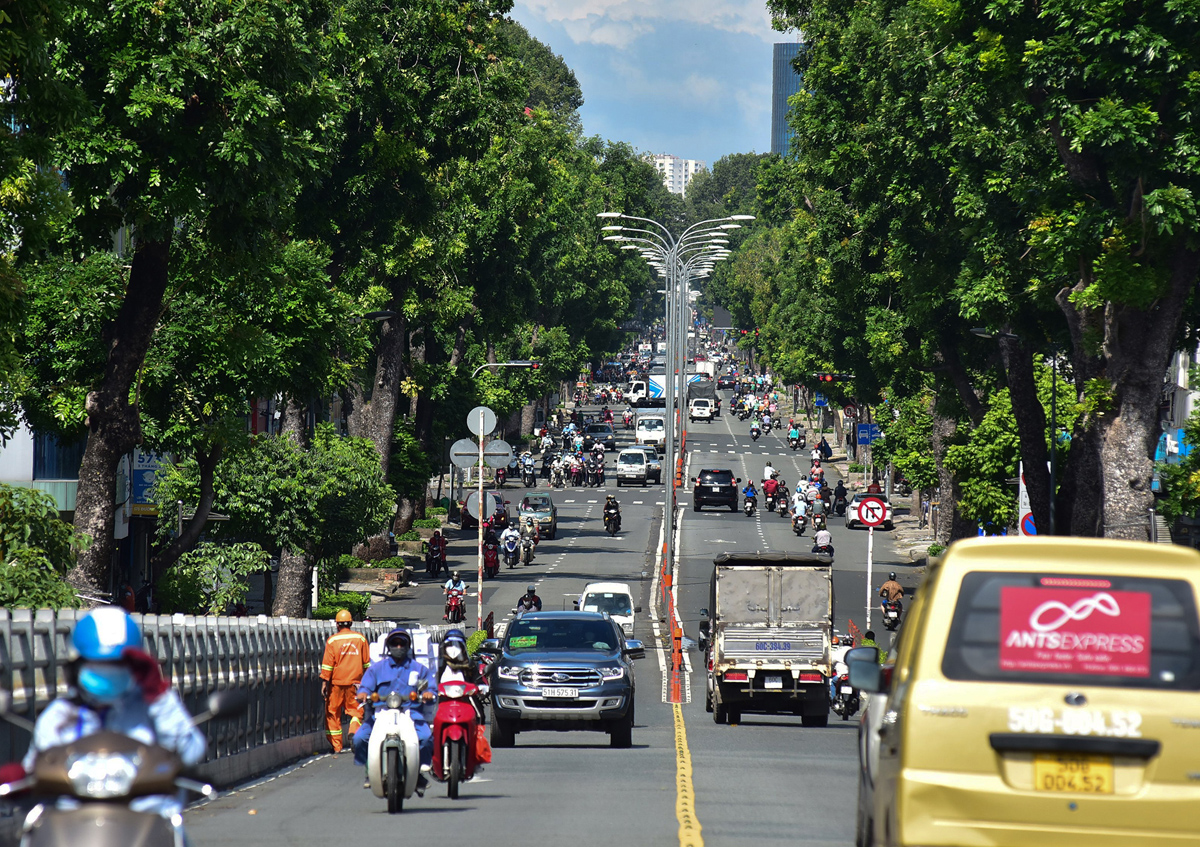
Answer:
(764, 781)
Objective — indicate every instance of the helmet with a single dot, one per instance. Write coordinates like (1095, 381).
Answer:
(532, 589)
(344, 616)
(610, 497)
(102, 635)
(892, 575)
(455, 575)
(397, 635)
(454, 635)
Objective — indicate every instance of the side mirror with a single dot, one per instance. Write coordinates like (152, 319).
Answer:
(634, 650)
(228, 703)
(491, 645)
(575, 603)
(738, 480)
(637, 610)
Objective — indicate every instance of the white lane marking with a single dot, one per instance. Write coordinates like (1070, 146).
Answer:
(593, 501)
(568, 501)
(637, 502)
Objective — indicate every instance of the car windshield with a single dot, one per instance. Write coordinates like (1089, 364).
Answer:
(536, 504)
(716, 477)
(536, 636)
(651, 424)
(637, 458)
(614, 604)
(598, 428)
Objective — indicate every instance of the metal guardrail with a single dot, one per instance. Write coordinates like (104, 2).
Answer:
(276, 659)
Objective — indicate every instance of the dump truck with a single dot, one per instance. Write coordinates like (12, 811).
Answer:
(767, 634)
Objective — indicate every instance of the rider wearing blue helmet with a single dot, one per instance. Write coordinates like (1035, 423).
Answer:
(115, 685)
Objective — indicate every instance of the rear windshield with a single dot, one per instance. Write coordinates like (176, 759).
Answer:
(614, 604)
(528, 636)
(700, 403)
(650, 424)
(716, 477)
(1131, 631)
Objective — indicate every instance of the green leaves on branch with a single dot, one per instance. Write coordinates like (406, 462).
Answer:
(36, 550)
(211, 579)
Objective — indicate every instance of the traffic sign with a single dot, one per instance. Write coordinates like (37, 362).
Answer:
(488, 418)
(850, 410)
(871, 511)
(497, 454)
(1028, 527)
(464, 453)
(472, 505)
(819, 399)
(868, 433)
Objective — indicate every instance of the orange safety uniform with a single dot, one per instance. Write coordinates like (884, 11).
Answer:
(347, 655)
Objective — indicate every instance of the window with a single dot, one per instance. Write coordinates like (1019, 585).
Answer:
(55, 460)
(716, 477)
(614, 604)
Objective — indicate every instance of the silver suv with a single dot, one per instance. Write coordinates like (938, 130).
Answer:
(563, 671)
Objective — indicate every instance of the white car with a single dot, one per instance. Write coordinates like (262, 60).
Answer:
(700, 409)
(852, 511)
(615, 598)
(652, 429)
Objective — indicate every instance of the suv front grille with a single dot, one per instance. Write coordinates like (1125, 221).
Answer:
(576, 677)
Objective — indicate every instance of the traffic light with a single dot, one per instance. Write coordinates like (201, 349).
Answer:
(828, 377)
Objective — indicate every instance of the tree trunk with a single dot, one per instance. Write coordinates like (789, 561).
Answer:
(114, 426)
(1031, 427)
(192, 531)
(949, 524)
(293, 589)
(376, 418)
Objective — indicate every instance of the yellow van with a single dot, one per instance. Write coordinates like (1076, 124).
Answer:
(1044, 693)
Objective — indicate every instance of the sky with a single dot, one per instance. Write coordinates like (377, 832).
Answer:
(686, 77)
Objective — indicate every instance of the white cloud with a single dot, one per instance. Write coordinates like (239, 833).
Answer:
(618, 23)
(704, 87)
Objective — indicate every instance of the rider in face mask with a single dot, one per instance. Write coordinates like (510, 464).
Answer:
(398, 671)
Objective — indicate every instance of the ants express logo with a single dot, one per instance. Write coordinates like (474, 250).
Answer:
(1072, 631)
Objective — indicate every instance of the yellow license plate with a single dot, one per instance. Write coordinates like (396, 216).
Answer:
(1064, 774)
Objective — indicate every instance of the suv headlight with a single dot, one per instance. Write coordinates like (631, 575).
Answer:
(102, 775)
(612, 673)
(505, 672)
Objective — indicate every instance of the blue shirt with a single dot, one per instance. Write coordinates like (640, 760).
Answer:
(388, 675)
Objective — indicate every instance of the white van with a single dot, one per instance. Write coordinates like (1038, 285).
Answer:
(652, 429)
(632, 466)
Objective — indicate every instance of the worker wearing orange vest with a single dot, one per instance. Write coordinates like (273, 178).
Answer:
(347, 655)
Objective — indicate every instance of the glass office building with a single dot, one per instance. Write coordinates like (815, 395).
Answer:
(784, 83)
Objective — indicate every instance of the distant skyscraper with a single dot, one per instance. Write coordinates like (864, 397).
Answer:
(784, 83)
(676, 172)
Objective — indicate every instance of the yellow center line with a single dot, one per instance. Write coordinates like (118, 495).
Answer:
(685, 797)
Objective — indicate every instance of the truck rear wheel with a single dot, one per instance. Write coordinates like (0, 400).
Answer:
(719, 714)
(734, 715)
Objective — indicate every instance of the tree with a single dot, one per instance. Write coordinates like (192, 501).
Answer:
(552, 84)
(36, 551)
(205, 111)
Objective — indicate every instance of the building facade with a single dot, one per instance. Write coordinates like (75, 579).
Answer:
(784, 83)
(676, 172)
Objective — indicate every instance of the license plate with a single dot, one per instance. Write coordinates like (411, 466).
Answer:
(772, 681)
(846, 689)
(1073, 774)
(716, 487)
(561, 693)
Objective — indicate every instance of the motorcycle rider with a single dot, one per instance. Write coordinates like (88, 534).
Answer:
(114, 685)
(750, 494)
(890, 591)
(823, 539)
(398, 671)
(793, 432)
(840, 492)
(455, 665)
(527, 463)
(768, 471)
(530, 602)
(437, 550)
(347, 655)
(612, 508)
(770, 485)
(510, 533)
(799, 504)
(454, 583)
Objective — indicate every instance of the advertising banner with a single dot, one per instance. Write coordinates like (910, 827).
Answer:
(1068, 630)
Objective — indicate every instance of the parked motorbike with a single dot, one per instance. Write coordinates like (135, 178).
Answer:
(491, 559)
(846, 703)
(100, 774)
(755, 432)
(455, 734)
(891, 615)
(457, 611)
(393, 752)
(511, 552)
(750, 506)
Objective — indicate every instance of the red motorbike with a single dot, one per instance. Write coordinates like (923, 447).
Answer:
(491, 559)
(458, 609)
(501, 476)
(455, 735)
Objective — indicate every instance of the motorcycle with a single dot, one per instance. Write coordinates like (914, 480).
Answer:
(743, 413)
(457, 612)
(527, 545)
(577, 475)
(393, 752)
(628, 420)
(824, 550)
(891, 615)
(846, 703)
(839, 506)
(755, 432)
(799, 524)
(612, 523)
(491, 559)
(770, 498)
(511, 553)
(501, 476)
(818, 522)
(528, 477)
(600, 473)
(750, 506)
(556, 476)
(794, 443)
(434, 561)
(782, 498)
(100, 774)
(455, 729)
(593, 476)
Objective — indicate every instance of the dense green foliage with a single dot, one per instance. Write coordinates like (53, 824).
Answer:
(211, 579)
(36, 551)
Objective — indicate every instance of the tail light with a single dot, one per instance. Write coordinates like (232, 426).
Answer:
(735, 676)
(811, 677)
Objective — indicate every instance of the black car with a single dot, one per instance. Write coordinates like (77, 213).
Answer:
(601, 433)
(563, 671)
(726, 381)
(715, 487)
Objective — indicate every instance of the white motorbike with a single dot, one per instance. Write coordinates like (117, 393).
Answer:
(393, 752)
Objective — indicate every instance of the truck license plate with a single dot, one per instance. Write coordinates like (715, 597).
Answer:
(561, 693)
(773, 681)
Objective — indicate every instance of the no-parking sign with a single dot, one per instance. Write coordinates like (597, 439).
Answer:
(871, 511)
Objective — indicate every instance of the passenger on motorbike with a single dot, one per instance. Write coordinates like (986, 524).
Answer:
(768, 471)
(454, 583)
(799, 504)
(114, 685)
(398, 671)
(530, 602)
(510, 534)
(770, 486)
(612, 508)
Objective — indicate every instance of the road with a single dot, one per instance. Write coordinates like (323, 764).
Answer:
(765, 781)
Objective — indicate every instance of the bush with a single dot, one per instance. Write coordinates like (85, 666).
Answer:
(358, 602)
(28, 580)
(854, 467)
(935, 550)
(397, 562)
(411, 535)
(427, 523)
(37, 548)
(474, 640)
(211, 578)
(434, 511)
